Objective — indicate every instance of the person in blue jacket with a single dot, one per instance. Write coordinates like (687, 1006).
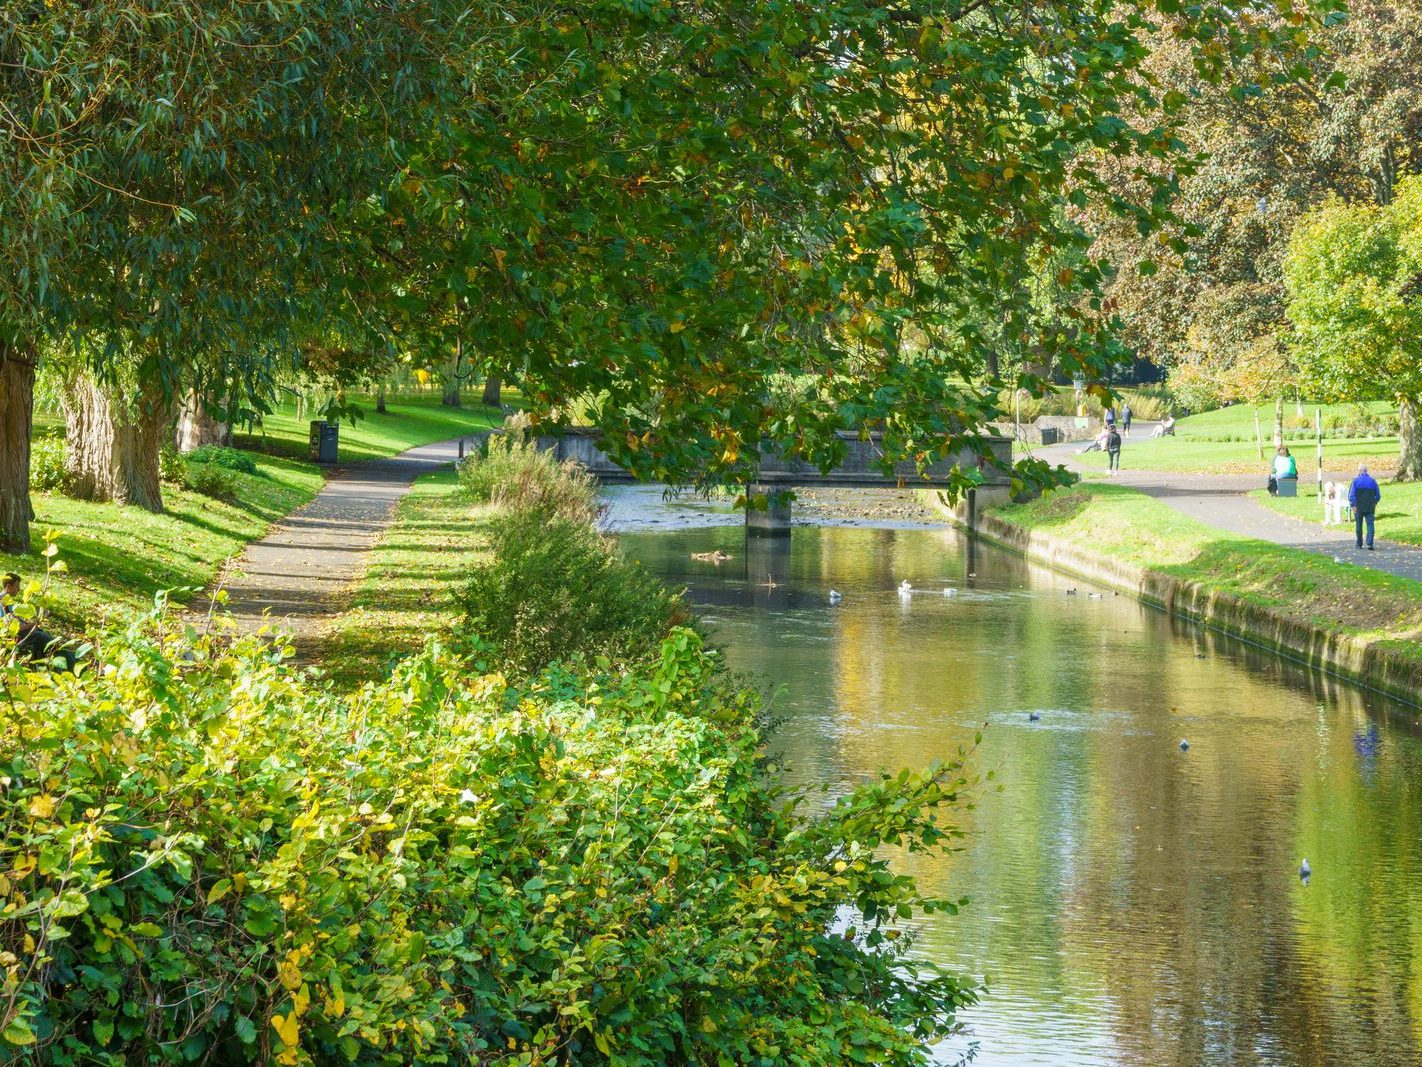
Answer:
(1363, 497)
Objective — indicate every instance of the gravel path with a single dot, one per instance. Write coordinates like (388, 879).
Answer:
(299, 574)
(1220, 501)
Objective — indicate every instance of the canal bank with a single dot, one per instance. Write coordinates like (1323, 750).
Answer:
(1328, 613)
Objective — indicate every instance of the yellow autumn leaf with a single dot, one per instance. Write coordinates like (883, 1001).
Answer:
(335, 1005)
(289, 971)
(677, 327)
(42, 806)
(301, 1000)
(287, 1028)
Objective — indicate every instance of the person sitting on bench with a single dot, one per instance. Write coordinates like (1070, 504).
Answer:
(1284, 477)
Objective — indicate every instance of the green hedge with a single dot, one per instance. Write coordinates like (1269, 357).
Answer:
(210, 857)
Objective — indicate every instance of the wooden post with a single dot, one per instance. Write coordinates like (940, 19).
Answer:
(1318, 435)
(1258, 434)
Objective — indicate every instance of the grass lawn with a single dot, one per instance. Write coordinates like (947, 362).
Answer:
(1121, 523)
(117, 558)
(1399, 515)
(410, 581)
(407, 422)
(1223, 441)
(1190, 455)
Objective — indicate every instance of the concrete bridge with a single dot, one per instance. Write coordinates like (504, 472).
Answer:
(777, 474)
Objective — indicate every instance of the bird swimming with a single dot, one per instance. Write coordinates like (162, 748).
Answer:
(1305, 870)
(950, 591)
(1034, 716)
(834, 597)
(1184, 745)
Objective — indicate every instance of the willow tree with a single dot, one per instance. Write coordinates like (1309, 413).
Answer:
(177, 178)
(658, 208)
(1354, 278)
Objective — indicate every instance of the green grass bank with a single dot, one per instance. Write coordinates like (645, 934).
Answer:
(407, 422)
(119, 557)
(1356, 623)
(1223, 441)
(408, 593)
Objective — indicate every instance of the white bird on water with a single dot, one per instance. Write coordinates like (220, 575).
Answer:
(834, 597)
(905, 588)
(1305, 870)
(950, 591)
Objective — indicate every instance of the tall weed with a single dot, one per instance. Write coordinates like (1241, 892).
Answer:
(511, 473)
(553, 588)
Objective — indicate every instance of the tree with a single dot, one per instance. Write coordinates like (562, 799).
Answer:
(1354, 278)
(1344, 124)
(659, 208)
(180, 180)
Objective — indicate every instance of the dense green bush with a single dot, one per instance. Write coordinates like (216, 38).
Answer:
(511, 473)
(47, 471)
(553, 587)
(233, 459)
(212, 480)
(208, 857)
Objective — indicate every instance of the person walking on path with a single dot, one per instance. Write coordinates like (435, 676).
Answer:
(1126, 414)
(1113, 450)
(1364, 495)
(1111, 417)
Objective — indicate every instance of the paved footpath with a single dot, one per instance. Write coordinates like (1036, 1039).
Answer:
(299, 574)
(1219, 500)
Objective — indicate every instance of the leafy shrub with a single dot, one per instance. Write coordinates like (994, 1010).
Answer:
(211, 858)
(172, 466)
(47, 464)
(553, 588)
(511, 473)
(209, 479)
(233, 459)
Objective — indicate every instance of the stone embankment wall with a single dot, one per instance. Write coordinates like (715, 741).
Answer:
(1374, 664)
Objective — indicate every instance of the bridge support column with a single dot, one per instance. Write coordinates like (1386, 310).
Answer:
(767, 511)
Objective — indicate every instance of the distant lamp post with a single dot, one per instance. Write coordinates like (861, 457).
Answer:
(1017, 398)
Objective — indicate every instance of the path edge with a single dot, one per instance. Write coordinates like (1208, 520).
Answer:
(1366, 663)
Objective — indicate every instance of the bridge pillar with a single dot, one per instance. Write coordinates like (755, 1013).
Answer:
(767, 511)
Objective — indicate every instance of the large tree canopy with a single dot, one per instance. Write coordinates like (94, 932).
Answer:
(656, 211)
(175, 182)
(1214, 311)
(662, 208)
(1354, 277)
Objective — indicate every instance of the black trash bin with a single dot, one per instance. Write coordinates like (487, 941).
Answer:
(325, 440)
(1049, 435)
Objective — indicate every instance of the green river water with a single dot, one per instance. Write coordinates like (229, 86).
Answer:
(1131, 903)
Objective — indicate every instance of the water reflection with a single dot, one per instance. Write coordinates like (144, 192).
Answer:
(1131, 903)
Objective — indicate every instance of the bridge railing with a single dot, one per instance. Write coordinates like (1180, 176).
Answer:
(859, 469)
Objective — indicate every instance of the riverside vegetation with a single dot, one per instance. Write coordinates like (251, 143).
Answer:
(528, 845)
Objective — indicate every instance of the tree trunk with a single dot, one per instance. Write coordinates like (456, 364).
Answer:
(380, 399)
(1409, 461)
(451, 390)
(112, 453)
(1278, 422)
(196, 428)
(17, 402)
(493, 384)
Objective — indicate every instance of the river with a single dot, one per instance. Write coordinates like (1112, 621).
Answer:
(1130, 902)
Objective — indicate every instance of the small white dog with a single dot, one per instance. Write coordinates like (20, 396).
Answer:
(1335, 504)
